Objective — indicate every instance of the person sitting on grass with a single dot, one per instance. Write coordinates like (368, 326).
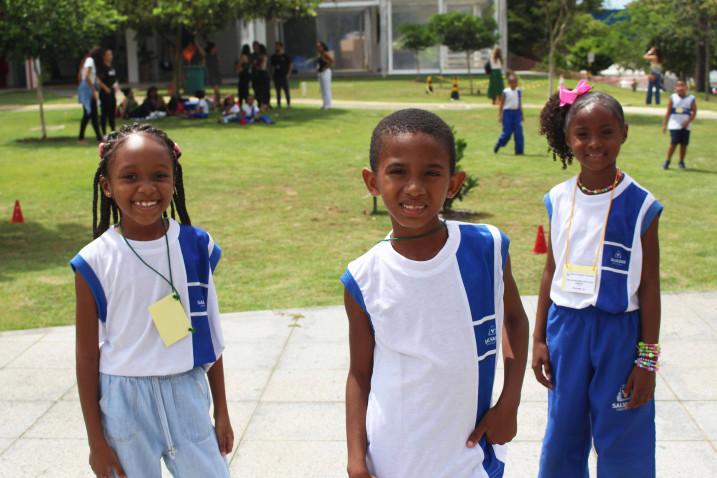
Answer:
(253, 114)
(231, 111)
(176, 102)
(201, 108)
(153, 105)
(129, 108)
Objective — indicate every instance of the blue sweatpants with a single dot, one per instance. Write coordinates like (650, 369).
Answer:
(511, 126)
(592, 354)
(146, 419)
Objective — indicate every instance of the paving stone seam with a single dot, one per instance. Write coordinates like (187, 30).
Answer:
(54, 403)
(263, 391)
(9, 362)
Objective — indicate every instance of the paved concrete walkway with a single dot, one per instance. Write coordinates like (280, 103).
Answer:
(285, 375)
(384, 105)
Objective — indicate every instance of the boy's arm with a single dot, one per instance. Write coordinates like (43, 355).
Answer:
(223, 427)
(667, 115)
(541, 358)
(358, 385)
(103, 460)
(500, 108)
(641, 382)
(500, 423)
(693, 114)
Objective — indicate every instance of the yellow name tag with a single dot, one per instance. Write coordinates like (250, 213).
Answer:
(579, 279)
(170, 319)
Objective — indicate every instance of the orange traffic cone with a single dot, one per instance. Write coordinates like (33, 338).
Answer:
(540, 247)
(17, 214)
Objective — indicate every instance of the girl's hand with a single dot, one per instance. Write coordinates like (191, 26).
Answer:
(499, 425)
(104, 462)
(541, 364)
(224, 432)
(641, 385)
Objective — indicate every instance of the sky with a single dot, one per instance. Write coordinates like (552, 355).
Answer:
(615, 3)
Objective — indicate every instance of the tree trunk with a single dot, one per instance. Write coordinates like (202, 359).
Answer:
(40, 97)
(470, 78)
(178, 65)
(551, 70)
(708, 57)
(418, 66)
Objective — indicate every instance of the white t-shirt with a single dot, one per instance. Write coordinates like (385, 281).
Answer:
(496, 64)
(511, 99)
(89, 63)
(620, 261)
(681, 111)
(437, 328)
(250, 110)
(124, 288)
(203, 106)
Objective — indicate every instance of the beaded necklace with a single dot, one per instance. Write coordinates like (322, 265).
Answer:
(610, 187)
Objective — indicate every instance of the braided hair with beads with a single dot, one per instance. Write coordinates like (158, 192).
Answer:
(104, 206)
(555, 120)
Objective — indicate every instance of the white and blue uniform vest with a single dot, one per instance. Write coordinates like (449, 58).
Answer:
(619, 265)
(124, 288)
(681, 111)
(437, 328)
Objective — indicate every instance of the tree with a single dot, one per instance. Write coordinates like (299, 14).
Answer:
(171, 19)
(464, 32)
(416, 38)
(468, 184)
(48, 29)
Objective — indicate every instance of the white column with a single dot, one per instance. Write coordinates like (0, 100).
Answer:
(132, 60)
(385, 43)
(501, 18)
(260, 30)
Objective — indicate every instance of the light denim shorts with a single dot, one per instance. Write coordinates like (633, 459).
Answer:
(146, 419)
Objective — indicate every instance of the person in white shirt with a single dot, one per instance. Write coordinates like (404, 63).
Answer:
(510, 115)
(87, 92)
(145, 288)
(681, 112)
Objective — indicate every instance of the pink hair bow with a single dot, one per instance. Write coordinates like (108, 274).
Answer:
(568, 97)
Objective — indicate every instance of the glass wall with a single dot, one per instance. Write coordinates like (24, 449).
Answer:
(411, 11)
(344, 31)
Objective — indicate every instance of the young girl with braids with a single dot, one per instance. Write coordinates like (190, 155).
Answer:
(598, 317)
(144, 286)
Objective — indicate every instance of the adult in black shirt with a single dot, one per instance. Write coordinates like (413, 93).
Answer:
(107, 79)
(281, 68)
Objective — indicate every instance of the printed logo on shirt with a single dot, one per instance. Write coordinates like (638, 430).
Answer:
(201, 303)
(621, 400)
(618, 259)
(490, 340)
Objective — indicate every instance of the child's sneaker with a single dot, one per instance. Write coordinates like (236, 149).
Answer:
(666, 165)
(682, 165)
(496, 148)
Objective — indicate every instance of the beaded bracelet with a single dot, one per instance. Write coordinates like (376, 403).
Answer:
(648, 356)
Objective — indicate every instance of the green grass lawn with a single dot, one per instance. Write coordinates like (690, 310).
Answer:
(287, 204)
(399, 89)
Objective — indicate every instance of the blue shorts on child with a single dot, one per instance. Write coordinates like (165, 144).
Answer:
(592, 354)
(146, 419)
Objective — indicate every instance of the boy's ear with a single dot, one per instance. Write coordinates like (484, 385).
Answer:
(625, 135)
(105, 185)
(369, 178)
(455, 183)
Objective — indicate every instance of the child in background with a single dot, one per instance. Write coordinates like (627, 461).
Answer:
(201, 109)
(252, 113)
(681, 112)
(231, 111)
(427, 308)
(510, 115)
(595, 343)
(129, 106)
(143, 390)
(455, 91)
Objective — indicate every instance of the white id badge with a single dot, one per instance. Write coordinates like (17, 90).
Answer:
(579, 279)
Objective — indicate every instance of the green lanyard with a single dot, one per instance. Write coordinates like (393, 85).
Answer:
(408, 238)
(169, 281)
